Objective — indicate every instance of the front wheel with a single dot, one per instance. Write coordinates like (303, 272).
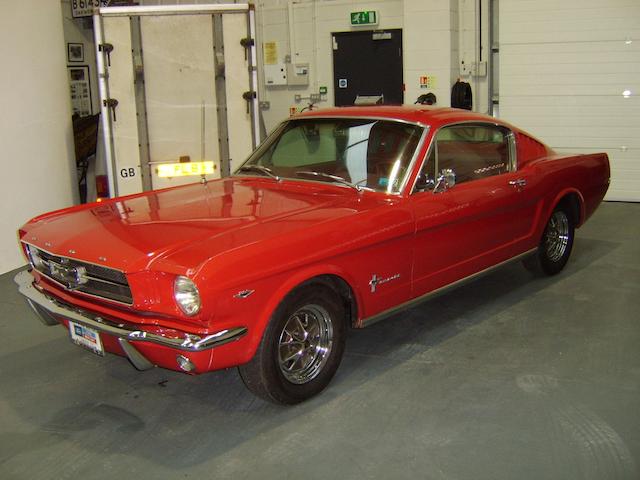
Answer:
(555, 246)
(301, 348)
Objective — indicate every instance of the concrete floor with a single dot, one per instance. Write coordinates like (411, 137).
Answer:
(510, 377)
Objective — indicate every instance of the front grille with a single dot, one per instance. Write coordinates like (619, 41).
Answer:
(83, 277)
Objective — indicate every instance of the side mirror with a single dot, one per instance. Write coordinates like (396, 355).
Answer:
(445, 181)
(424, 183)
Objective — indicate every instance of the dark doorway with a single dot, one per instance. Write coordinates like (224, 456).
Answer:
(368, 63)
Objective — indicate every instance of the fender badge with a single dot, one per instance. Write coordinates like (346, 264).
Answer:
(375, 281)
(244, 294)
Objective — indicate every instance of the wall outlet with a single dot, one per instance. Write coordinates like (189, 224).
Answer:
(465, 68)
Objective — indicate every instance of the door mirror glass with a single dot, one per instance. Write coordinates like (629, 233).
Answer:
(424, 183)
(445, 181)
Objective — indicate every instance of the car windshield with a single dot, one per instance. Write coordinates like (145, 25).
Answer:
(362, 153)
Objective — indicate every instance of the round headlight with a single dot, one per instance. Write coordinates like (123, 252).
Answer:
(187, 296)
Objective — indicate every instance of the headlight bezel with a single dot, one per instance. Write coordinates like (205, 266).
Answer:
(35, 259)
(187, 296)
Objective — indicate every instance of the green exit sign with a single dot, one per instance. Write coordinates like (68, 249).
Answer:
(364, 18)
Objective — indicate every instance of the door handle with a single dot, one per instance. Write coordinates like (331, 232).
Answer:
(519, 183)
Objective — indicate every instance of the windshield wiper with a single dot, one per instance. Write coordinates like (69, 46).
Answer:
(334, 178)
(260, 169)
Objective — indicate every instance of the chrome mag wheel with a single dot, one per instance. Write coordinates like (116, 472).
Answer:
(301, 347)
(305, 344)
(557, 236)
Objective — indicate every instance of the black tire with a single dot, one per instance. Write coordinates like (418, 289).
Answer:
(301, 348)
(555, 246)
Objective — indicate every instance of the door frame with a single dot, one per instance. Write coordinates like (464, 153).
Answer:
(379, 30)
(102, 63)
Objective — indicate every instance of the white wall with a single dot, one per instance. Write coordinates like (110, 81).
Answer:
(563, 69)
(430, 47)
(471, 49)
(430, 38)
(35, 126)
(312, 24)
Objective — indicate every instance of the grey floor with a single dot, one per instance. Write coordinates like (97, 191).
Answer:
(510, 377)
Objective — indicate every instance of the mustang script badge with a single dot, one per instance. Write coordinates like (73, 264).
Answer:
(375, 281)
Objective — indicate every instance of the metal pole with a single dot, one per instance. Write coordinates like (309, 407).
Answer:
(253, 80)
(141, 103)
(221, 96)
(174, 9)
(494, 49)
(105, 114)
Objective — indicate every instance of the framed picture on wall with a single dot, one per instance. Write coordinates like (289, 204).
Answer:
(80, 86)
(75, 52)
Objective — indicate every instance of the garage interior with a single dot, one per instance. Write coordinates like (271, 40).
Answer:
(510, 376)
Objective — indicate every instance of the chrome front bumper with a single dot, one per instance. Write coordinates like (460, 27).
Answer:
(47, 308)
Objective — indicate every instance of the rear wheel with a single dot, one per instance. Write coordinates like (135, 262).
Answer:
(555, 246)
(301, 348)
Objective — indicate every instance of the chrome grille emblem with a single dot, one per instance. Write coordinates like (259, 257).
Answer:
(71, 277)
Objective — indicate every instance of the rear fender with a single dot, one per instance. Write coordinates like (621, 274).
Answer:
(564, 193)
(554, 203)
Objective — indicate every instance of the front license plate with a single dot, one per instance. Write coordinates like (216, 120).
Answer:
(86, 337)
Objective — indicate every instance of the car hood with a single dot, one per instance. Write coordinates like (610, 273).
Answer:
(132, 233)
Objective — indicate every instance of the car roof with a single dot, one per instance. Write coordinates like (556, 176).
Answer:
(422, 114)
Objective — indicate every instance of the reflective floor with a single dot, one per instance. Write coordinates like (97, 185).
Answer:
(510, 377)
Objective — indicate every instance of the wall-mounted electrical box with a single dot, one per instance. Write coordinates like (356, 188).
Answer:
(477, 69)
(298, 73)
(275, 74)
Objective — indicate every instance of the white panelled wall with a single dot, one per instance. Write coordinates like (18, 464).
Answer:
(570, 74)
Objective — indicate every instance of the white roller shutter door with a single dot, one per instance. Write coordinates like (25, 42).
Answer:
(570, 75)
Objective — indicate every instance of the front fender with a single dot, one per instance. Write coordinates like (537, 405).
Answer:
(256, 309)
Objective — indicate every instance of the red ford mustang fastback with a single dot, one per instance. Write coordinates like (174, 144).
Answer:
(341, 217)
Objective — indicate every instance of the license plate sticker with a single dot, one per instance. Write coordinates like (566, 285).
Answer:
(86, 337)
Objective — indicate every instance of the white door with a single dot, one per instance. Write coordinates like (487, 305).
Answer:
(570, 75)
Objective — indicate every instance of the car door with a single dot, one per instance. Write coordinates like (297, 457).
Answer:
(485, 217)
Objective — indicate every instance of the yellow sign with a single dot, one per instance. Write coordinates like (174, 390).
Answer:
(428, 81)
(184, 169)
(270, 50)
